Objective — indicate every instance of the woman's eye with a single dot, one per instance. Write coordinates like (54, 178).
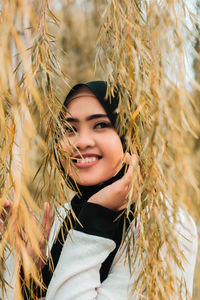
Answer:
(102, 125)
(69, 129)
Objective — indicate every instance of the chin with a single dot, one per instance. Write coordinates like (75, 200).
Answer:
(92, 181)
(94, 178)
(89, 182)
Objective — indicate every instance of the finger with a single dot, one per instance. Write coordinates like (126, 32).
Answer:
(127, 157)
(124, 184)
(131, 159)
(133, 165)
(24, 236)
(48, 214)
(7, 205)
(127, 179)
(132, 162)
(1, 227)
(5, 210)
(47, 220)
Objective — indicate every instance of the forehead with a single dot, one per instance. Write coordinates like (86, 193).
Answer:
(84, 104)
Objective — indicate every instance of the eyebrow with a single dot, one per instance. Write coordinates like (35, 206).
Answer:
(92, 117)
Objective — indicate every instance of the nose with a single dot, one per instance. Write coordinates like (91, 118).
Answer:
(84, 140)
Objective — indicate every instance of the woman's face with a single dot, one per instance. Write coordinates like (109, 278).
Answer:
(96, 149)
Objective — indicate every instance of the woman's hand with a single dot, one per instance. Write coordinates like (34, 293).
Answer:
(114, 196)
(45, 230)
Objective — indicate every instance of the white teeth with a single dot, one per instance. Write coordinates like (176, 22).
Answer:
(86, 160)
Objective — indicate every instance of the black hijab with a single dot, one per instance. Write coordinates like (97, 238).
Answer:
(99, 89)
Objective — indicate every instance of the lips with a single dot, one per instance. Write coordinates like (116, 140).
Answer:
(86, 160)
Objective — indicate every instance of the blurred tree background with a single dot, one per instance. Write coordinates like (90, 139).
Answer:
(48, 46)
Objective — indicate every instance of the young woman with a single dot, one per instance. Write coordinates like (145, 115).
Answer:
(91, 264)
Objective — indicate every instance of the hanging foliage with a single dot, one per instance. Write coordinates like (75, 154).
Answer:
(28, 110)
(145, 46)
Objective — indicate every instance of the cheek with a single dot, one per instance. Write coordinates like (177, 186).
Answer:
(113, 148)
(66, 145)
(63, 143)
(65, 151)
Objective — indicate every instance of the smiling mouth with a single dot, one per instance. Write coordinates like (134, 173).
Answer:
(86, 160)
